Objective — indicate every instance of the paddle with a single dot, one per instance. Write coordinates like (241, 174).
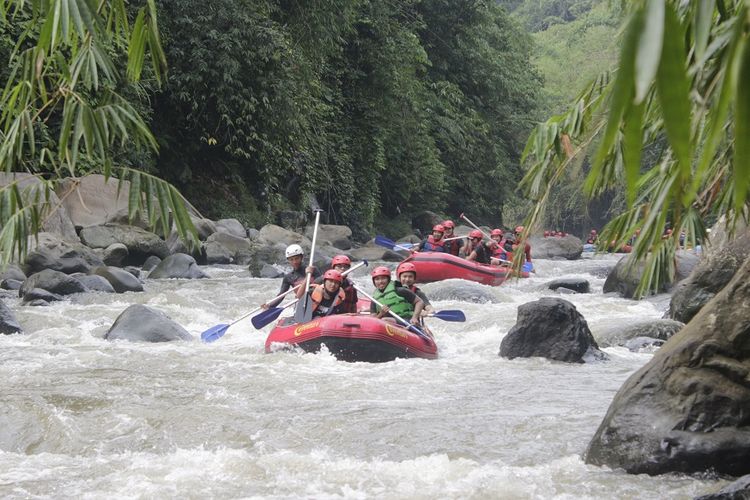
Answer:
(216, 332)
(266, 317)
(392, 245)
(449, 315)
(303, 313)
(462, 216)
(401, 320)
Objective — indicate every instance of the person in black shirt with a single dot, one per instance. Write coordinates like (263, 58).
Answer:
(294, 255)
(478, 251)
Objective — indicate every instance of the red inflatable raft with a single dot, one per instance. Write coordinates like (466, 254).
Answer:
(352, 337)
(437, 266)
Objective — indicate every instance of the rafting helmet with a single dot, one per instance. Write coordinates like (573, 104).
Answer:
(448, 224)
(593, 231)
(293, 250)
(496, 232)
(476, 233)
(438, 227)
(341, 259)
(406, 267)
(519, 229)
(333, 275)
(380, 271)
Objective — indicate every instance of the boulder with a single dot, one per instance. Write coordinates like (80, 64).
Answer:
(686, 410)
(176, 245)
(10, 284)
(371, 253)
(644, 344)
(58, 222)
(151, 263)
(96, 283)
(578, 285)
(139, 323)
(269, 271)
(140, 243)
(115, 254)
(8, 322)
(424, 221)
(551, 328)
(567, 247)
(50, 252)
(40, 297)
(90, 201)
(619, 335)
(52, 281)
(738, 490)
(722, 257)
(222, 246)
(12, 271)
(231, 226)
(271, 234)
(624, 278)
(121, 280)
(337, 236)
(178, 265)
(204, 227)
(291, 219)
(267, 254)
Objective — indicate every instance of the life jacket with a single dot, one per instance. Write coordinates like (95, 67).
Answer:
(317, 298)
(396, 303)
(453, 246)
(350, 302)
(498, 252)
(430, 245)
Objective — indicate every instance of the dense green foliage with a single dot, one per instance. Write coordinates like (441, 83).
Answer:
(376, 107)
(671, 124)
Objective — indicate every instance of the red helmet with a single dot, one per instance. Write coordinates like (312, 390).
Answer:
(406, 267)
(593, 231)
(448, 224)
(519, 229)
(341, 259)
(439, 227)
(546, 234)
(476, 233)
(380, 271)
(333, 275)
(496, 232)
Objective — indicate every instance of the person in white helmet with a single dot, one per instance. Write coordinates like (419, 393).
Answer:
(294, 255)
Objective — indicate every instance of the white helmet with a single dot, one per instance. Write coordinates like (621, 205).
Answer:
(293, 250)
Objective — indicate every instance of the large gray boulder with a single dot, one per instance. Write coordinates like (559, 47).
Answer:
(140, 243)
(620, 334)
(567, 247)
(90, 201)
(722, 257)
(13, 272)
(8, 322)
(424, 221)
(57, 222)
(178, 265)
(737, 490)
(337, 236)
(231, 226)
(578, 285)
(686, 410)
(271, 234)
(50, 252)
(51, 281)
(225, 248)
(550, 328)
(375, 252)
(121, 280)
(139, 323)
(624, 278)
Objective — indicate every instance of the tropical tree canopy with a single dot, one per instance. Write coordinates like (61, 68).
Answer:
(682, 90)
(66, 108)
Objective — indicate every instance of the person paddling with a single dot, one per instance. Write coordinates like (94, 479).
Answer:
(294, 256)
(342, 263)
(326, 298)
(452, 247)
(399, 300)
(477, 251)
(434, 242)
(526, 246)
(406, 274)
(498, 253)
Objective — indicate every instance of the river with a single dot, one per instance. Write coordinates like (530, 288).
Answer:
(81, 417)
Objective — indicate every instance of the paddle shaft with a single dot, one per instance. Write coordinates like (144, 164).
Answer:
(474, 225)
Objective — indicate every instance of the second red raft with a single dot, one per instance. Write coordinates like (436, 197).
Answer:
(437, 266)
(352, 337)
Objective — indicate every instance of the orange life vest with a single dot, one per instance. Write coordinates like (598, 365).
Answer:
(317, 297)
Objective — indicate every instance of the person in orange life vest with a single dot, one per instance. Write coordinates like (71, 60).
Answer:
(406, 273)
(453, 247)
(401, 300)
(592, 237)
(526, 246)
(479, 251)
(294, 255)
(498, 253)
(342, 263)
(434, 242)
(327, 298)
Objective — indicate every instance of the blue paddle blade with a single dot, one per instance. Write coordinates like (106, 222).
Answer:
(384, 242)
(214, 333)
(266, 317)
(527, 267)
(450, 315)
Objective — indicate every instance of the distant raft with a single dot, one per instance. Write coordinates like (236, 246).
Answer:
(437, 266)
(352, 337)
